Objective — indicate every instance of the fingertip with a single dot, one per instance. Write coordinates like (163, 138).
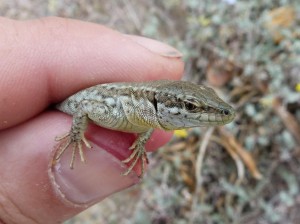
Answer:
(89, 182)
(156, 47)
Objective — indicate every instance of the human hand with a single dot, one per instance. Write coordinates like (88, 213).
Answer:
(43, 62)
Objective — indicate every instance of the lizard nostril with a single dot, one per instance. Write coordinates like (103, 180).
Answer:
(226, 112)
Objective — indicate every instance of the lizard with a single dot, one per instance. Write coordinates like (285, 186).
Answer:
(140, 107)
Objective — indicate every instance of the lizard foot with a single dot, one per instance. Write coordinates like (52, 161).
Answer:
(138, 153)
(66, 141)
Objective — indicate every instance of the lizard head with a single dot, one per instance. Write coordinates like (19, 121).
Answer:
(184, 105)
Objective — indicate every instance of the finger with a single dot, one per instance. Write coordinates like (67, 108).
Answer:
(27, 193)
(44, 61)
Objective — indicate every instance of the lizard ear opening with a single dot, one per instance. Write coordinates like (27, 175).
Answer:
(154, 102)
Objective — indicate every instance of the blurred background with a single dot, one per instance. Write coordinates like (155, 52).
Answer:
(249, 52)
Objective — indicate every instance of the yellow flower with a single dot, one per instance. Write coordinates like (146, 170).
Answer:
(297, 88)
(181, 133)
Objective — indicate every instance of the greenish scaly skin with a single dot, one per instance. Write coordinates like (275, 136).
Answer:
(141, 108)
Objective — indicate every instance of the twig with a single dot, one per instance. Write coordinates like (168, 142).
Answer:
(238, 162)
(198, 168)
(244, 154)
(287, 118)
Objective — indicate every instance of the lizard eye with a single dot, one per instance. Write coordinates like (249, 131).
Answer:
(190, 106)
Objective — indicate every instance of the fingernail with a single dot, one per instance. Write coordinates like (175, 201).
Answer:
(92, 181)
(156, 46)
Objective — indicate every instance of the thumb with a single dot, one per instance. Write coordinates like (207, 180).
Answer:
(28, 195)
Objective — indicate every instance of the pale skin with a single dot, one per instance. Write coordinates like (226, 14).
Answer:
(37, 58)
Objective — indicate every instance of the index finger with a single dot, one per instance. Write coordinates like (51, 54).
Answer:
(57, 57)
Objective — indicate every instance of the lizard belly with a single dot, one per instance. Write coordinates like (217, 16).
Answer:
(121, 125)
(114, 118)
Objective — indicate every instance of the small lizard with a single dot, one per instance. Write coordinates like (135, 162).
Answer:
(140, 108)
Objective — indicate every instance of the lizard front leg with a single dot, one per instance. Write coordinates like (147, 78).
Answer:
(139, 152)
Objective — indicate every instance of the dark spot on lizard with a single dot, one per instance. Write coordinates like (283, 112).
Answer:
(154, 102)
(152, 98)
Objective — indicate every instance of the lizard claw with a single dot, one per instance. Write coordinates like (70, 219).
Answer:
(86, 142)
(137, 154)
(133, 146)
(66, 142)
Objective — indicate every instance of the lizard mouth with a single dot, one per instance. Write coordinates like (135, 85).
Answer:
(224, 116)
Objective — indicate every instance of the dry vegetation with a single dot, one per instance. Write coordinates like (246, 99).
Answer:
(246, 172)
